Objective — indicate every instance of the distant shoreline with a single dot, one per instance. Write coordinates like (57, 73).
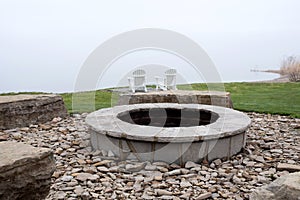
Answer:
(281, 79)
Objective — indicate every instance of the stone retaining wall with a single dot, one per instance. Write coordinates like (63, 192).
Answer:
(178, 96)
(23, 110)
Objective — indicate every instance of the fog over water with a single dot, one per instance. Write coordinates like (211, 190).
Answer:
(43, 44)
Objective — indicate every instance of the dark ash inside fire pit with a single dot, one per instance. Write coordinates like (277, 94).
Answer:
(169, 117)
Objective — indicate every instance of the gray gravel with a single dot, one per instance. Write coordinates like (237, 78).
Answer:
(84, 174)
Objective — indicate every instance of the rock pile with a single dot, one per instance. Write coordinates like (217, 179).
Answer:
(85, 174)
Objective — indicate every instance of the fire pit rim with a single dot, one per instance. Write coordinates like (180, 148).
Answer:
(229, 123)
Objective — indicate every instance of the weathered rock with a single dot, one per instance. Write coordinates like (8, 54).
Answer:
(285, 187)
(23, 110)
(204, 196)
(288, 167)
(166, 197)
(25, 171)
(190, 164)
(86, 176)
(185, 184)
(146, 196)
(279, 151)
(136, 167)
(102, 169)
(161, 192)
(66, 178)
(3, 137)
(78, 190)
(103, 162)
(174, 172)
(150, 167)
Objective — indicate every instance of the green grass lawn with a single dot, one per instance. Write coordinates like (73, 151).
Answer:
(87, 101)
(274, 98)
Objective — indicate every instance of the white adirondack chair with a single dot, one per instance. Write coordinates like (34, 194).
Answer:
(138, 81)
(167, 83)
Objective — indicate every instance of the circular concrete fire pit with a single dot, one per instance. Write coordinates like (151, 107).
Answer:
(168, 132)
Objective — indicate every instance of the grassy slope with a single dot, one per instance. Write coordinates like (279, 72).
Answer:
(87, 101)
(274, 98)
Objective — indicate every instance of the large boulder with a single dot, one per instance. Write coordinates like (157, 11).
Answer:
(23, 110)
(25, 171)
(285, 187)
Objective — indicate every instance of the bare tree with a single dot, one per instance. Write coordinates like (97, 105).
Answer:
(291, 67)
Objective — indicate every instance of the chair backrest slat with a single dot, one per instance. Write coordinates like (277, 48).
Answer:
(139, 72)
(171, 72)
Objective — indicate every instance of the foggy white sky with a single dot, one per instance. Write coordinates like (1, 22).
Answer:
(43, 44)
